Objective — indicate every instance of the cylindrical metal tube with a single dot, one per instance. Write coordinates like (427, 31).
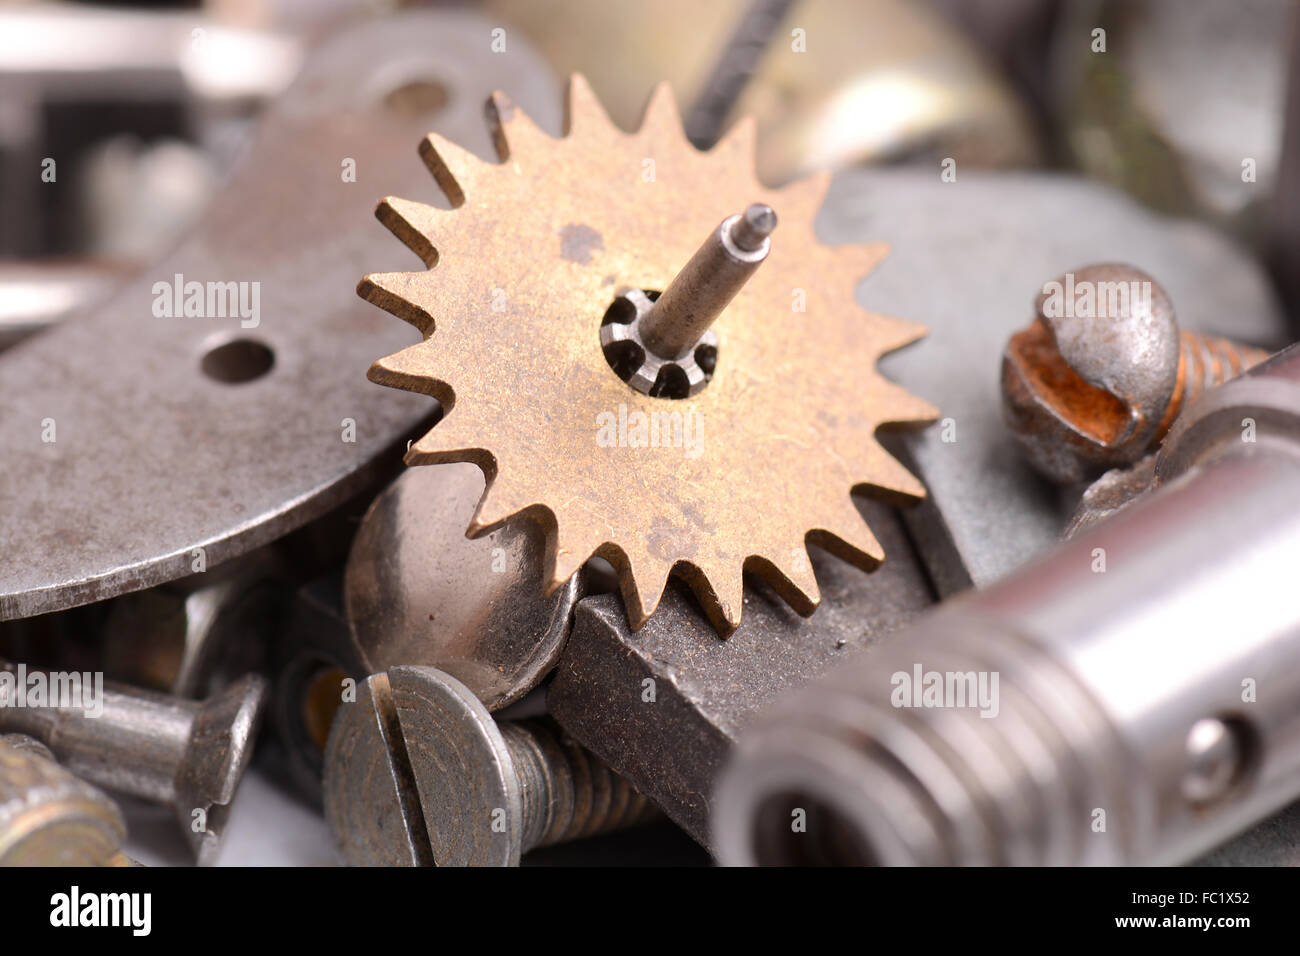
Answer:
(189, 755)
(136, 745)
(1133, 698)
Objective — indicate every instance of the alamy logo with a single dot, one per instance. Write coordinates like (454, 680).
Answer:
(208, 300)
(63, 689)
(133, 910)
(922, 688)
(1095, 300)
(650, 430)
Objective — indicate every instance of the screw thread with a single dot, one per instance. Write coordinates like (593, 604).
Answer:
(1205, 361)
(880, 782)
(567, 792)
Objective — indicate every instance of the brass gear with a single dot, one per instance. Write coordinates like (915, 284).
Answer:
(528, 262)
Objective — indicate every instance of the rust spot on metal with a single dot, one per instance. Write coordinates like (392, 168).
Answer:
(1093, 411)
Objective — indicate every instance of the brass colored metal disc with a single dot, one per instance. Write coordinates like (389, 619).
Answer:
(738, 477)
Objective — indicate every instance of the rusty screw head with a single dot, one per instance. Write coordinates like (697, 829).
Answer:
(1099, 376)
(1087, 385)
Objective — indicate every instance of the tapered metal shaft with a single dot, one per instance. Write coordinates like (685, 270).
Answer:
(710, 280)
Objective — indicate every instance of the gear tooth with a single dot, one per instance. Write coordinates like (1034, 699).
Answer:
(863, 258)
(412, 222)
(498, 504)
(740, 144)
(802, 580)
(412, 369)
(908, 410)
(891, 481)
(849, 538)
(893, 334)
(455, 437)
(661, 117)
(804, 197)
(642, 580)
(583, 112)
(513, 133)
(724, 599)
(792, 578)
(569, 557)
(398, 293)
(453, 167)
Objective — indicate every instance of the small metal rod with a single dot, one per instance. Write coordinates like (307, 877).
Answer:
(710, 280)
(735, 66)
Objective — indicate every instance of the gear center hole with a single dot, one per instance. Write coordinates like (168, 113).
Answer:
(634, 364)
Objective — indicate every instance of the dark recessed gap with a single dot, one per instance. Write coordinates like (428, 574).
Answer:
(238, 361)
(827, 838)
(671, 383)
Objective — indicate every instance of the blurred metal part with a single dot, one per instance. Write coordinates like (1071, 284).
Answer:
(1145, 708)
(417, 591)
(75, 533)
(663, 705)
(50, 817)
(137, 198)
(309, 662)
(176, 636)
(882, 80)
(1186, 92)
(127, 51)
(189, 755)
(1283, 226)
(706, 119)
(418, 773)
(36, 295)
(72, 75)
(623, 49)
(993, 237)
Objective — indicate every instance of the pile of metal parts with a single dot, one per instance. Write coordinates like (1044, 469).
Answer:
(641, 553)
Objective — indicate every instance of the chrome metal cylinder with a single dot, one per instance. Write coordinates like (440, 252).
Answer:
(1133, 698)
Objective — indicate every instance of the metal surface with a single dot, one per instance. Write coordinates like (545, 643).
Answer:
(1102, 372)
(867, 82)
(1092, 746)
(993, 238)
(841, 82)
(92, 514)
(418, 592)
(179, 636)
(518, 288)
(50, 817)
(705, 690)
(1111, 493)
(189, 755)
(34, 296)
(418, 773)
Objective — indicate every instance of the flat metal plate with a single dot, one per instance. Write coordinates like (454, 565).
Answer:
(151, 457)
